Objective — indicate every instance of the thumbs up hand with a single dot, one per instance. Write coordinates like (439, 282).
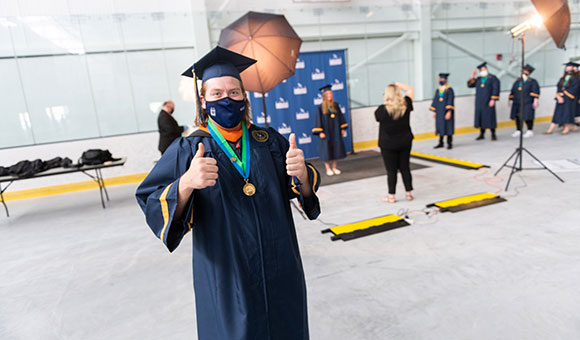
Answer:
(295, 165)
(202, 172)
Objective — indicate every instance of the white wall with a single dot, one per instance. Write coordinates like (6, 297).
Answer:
(141, 149)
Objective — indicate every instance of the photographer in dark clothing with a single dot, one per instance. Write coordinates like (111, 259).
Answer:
(169, 130)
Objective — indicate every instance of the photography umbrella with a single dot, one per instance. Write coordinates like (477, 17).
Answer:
(556, 15)
(270, 40)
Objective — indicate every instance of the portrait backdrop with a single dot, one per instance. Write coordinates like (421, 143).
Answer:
(292, 105)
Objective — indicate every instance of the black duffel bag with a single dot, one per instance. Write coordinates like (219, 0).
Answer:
(96, 157)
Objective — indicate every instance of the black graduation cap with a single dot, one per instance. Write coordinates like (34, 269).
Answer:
(325, 88)
(529, 67)
(444, 75)
(484, 64)
(571, 63)
(219, 62)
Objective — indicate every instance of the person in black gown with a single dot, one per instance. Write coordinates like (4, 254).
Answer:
(443, 108)
(330, 125)
(230, 184)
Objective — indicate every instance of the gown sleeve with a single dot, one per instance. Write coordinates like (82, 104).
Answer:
(513, 91)
(471, 83)
(535, 89)
(341, 119)
(450, 102)
(310, 205)
(157, 195)
(434, 101)
(317, 123)
(495, 85)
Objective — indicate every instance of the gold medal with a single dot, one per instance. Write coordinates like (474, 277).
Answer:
(332, 115)
(249, 189)
(440, 99)
(482, 85)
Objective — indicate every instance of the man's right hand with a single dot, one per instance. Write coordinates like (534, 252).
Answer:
(474, 74)
(202, 172)
(322, 135)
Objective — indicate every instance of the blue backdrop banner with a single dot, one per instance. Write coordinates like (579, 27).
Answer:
(292, 105)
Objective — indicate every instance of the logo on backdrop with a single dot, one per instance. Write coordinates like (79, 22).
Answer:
(335, 60)
(318, 99)
(262, 118)
(302, 114)
(259, 95)
(282, 104)
(337, 85)
(284, 81)
(300, 89)
(285, 129)
(342, 108)
(300, 63)
(317, 74)
(305, 139)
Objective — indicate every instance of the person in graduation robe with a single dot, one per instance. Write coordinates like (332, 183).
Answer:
(531, 92)
(444, 111)
(330, 126)
(566, 101)
(487, 88)
(230, 184)
(169, 129)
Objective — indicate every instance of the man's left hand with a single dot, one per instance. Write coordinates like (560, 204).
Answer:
(448, 115)
(295, 165)
(492, 103)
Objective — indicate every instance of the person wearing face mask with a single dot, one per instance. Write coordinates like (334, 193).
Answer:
(169, 129)
(330, 126)
(443, 111)
(230, 183)
(566, 100)
(531, 93)
(487, 88)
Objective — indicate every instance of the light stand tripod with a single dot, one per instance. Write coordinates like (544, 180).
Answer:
(518, 153)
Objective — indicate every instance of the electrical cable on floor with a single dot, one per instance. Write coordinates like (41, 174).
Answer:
(408, 215)
(489, 180)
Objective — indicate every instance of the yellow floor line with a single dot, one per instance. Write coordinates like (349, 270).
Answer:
(368, 144)
(70, 187)
(136, 178)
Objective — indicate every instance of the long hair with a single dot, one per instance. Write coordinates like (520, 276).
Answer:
(327, 105)
(394, 101)
(247, 118)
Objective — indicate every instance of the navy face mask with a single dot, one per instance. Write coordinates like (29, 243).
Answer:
(226, 112)
(442, 82)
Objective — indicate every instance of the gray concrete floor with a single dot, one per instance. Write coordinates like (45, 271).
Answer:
(71, 270)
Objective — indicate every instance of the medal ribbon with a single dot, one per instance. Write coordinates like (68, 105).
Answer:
(441, 92)
(484, 79)
(243, 165)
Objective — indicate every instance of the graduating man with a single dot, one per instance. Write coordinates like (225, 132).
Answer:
(566, 100)
(443, 111)
(531, 93)
(230, 183)
(486, 94)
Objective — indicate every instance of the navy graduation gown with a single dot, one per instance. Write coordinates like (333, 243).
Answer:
(564, 113)
(531, 91)
(331, 147)
(440, 105)
(485, 116)
(247, 272)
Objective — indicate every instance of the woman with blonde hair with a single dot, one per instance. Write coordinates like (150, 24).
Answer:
(395, 136)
